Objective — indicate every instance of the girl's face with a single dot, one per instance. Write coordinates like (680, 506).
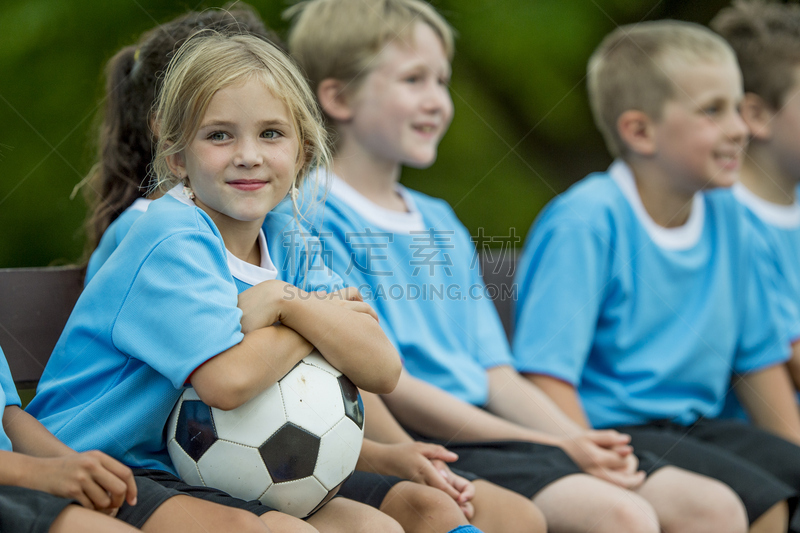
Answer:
(244, 157)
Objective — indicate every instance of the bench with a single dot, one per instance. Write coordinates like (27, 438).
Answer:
(35, 304)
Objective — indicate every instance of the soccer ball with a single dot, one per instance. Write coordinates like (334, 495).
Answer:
(291, 447)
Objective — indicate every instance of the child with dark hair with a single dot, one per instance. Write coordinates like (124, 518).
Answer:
(115, 188)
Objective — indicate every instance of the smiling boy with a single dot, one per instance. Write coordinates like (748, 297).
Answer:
(641, 292)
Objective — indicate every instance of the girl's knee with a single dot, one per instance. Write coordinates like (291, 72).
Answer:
(418, 506)
(276, 521)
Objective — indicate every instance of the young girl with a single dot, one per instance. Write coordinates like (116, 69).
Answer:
(116, 187)
(238, 129)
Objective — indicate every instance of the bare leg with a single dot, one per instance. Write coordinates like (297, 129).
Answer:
(499, 510)
(691, 503)
(422, 509)
(187, 514)
(580, 503)
(341, 515)
(774, 520)
(77, 519)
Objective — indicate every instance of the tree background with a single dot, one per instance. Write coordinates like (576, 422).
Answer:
(522, 130)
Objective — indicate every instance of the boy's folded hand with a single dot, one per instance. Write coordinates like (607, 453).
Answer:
(94, 479)
(607, 455)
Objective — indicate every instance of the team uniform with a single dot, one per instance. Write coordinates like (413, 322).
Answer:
(649, 324)
(779, 225)
(419, 271)
(290, 245)
(113, 235)
(164, 304)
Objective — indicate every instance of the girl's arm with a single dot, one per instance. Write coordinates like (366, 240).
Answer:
(344, 331)
(236, 375)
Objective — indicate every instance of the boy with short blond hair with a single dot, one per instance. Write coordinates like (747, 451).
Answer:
(383, 87)
(642, 292)
(766, 38)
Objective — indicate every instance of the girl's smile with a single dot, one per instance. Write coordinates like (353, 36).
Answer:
(243, 158)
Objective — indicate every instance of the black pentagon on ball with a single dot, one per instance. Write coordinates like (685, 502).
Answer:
(353, 407)
(290, 453)
(195, 430)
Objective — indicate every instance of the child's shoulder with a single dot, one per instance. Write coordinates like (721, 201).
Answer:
(169, 216)
(596, 199)
(427, 203)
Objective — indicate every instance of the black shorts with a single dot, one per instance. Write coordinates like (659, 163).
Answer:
(368, 488)
(29, 510)
(761, 468)
(523, 467)
(170, 485)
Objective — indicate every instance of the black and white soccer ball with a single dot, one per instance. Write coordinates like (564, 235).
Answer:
(291, 447)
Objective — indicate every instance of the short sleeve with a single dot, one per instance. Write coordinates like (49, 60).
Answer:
(181, 309)
(315, 274)
(7, 383)
(561, 278)
(764, 339)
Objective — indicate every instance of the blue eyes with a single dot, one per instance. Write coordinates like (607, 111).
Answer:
(217, 136)
(220, 136)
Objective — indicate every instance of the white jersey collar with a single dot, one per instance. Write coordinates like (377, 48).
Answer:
(140, 204)
(394, 221)
(241, 270)
(780, 216)
(680, 238)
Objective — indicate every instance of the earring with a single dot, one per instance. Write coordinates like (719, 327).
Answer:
(294, 193)
(187, 189)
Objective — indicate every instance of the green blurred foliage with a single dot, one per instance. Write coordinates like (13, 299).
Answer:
(522, 130)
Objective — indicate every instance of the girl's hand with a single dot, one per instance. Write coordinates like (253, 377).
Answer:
(350, 298)
(464, 487)
(415, 461)
(94, 479)
(261, 304)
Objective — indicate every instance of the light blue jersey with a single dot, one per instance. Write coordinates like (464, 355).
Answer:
(420, 272)
(646, 322)
(162, 305)
(113, 236)
(8, 396)
(779, 226)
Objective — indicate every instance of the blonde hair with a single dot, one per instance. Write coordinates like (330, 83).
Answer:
(631, 69)
(766, 38)
(209, 61)
(340, 39)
